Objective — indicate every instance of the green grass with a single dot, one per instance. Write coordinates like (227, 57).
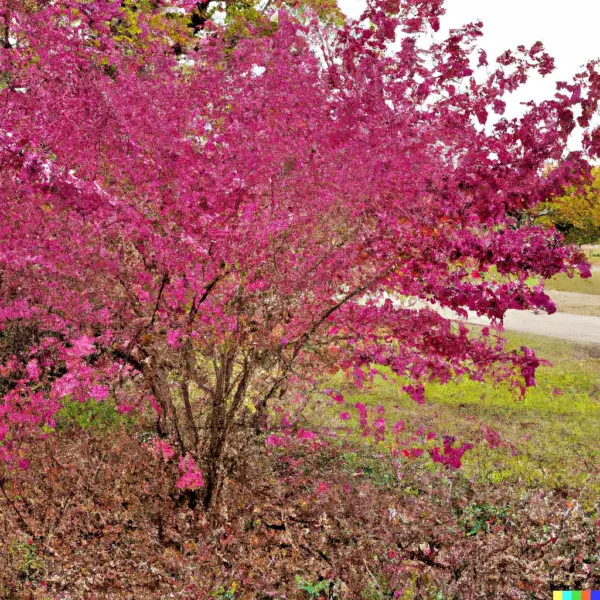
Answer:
(550, 438)
(563, 283)
(593, 255)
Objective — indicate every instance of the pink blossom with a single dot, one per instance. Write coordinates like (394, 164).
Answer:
(99, 392)
(82, 346)
(416, 392)
(344, 416)
(174, 338)
(33, 370)
(379, 426)
(274, 440)
(163, 449)
(491, 436)
(303, 434)
(361, 408)
(192, 475)
(322, 488)
(399, 426)
(412, 452)
(451, 457)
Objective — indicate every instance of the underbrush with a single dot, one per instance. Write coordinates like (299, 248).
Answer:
(309, 521)
(335, 515)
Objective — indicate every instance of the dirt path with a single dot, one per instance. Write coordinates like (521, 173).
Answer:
(574, 298)
(577, 328)
(582, 328)
(563, 325)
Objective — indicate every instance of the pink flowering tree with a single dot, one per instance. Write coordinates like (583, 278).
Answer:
(201, 231)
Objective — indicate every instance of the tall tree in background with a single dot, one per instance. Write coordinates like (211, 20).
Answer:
(575, 213)
(204, 230)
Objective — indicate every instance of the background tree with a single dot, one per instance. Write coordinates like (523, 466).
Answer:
(207, 236)
(576, 213)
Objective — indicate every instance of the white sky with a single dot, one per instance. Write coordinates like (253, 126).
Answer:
(569, 30)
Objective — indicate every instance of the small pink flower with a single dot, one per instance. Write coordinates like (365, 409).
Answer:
(361, 408)
(164, 450)
(492, 437)
(322, 488)
(192, 476)
(99, 392)
(303, 434)
(451, 457)
(416, 392)
(33, 370)
(24, 464)
(344, 416)
(379, 429)
(82, 346)
(338, 398)
(274, 440)
(412, 452)
(174, 338)
(399, 426)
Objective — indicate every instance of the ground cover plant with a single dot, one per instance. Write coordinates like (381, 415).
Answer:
(199, 225)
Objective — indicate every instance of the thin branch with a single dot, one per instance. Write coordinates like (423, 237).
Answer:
(12, 504)
(209, 288)
(163, 285)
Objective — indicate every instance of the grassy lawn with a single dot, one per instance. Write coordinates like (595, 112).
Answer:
(549, 439)
(593, 255)
(563, 283)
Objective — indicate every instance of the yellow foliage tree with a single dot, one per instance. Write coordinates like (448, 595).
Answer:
(575, 214)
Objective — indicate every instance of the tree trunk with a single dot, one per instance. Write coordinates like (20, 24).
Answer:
(214, 472)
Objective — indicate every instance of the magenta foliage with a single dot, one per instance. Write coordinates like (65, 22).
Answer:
(450, 457)
(152, 210)
(191, 478)
(492, 437)
(163, 450)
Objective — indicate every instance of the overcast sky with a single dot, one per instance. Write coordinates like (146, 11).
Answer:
(569, 31)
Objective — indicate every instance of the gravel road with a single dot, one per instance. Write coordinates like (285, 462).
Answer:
(576, 328)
